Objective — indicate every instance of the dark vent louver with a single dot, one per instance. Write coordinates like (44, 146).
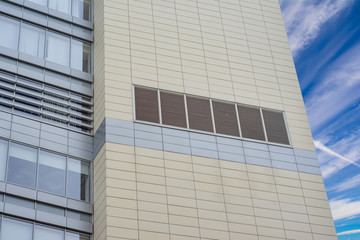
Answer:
(275, 127)
(250, 123)
(146, 105)
(173, 109)
(225, 119)
(199, 114)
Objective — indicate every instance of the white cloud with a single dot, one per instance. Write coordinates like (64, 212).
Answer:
(347, 184)
(336, 90)
(349, 232)
(304, 20)
(344, 208)
(336, 156)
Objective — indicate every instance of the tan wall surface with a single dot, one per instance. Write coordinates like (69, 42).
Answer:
(151, 194)
(230, 50)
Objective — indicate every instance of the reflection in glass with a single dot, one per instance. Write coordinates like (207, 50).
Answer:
(22, 202)
(60, 5)
(78, 216)
(58, 49)
(76, 236)
(22, 165)
(50, 209)
(78, 183)
(32, 40)
(3, 156)
(16, 230)
(81, 9)
(52, 173)
(80, 56)
(9, 36)
(45, 233)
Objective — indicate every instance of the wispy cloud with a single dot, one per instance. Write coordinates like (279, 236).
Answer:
(346, 184)
(322, 147)
(304, 21)
(349, 232)
(337, 89)
(344, 208)
(338, 155)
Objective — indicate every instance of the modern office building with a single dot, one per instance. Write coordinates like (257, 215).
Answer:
(151, 120)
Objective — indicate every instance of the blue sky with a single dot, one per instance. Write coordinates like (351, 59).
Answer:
(324, 39)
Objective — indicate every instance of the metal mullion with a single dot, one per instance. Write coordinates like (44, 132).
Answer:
(263, 123)
(186, 112)
(159, 106)
(238, 119)
(212, 115)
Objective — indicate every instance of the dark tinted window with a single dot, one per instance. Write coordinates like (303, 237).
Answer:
(173, 109)
(225, 118)
(146, 102)
(199, 114)
(250, 123)
(275, 127)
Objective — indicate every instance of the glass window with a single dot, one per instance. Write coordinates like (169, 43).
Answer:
(81, 9)
(10, 33)
(60, 5)
(78, 216)
(52, 173)
(32, 40)
(78, 183)
(58, 49)
(45, 233)
(22, 202)
(80, 55)
(22, 165)
(41, 2)
(16, 230)
(3, 156)
(76, 236)
(50, 209)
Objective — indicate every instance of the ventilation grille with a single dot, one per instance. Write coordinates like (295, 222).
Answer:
(46, 103)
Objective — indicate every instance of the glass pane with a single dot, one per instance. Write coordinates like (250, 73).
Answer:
(16, 230)
(50, 209)
(78, 216)
(41, 2)
(58, 49)
(3, 156)
(60, 5)
(44, 233)
(80, 56)
(78, 184)
(32, 40)
(22, 202)
(22, 165)
(81, 9)
(52, 173)
(11, 28)
(76, 236)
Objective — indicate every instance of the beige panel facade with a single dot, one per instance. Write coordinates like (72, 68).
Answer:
(143, 193)
(232, 50)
